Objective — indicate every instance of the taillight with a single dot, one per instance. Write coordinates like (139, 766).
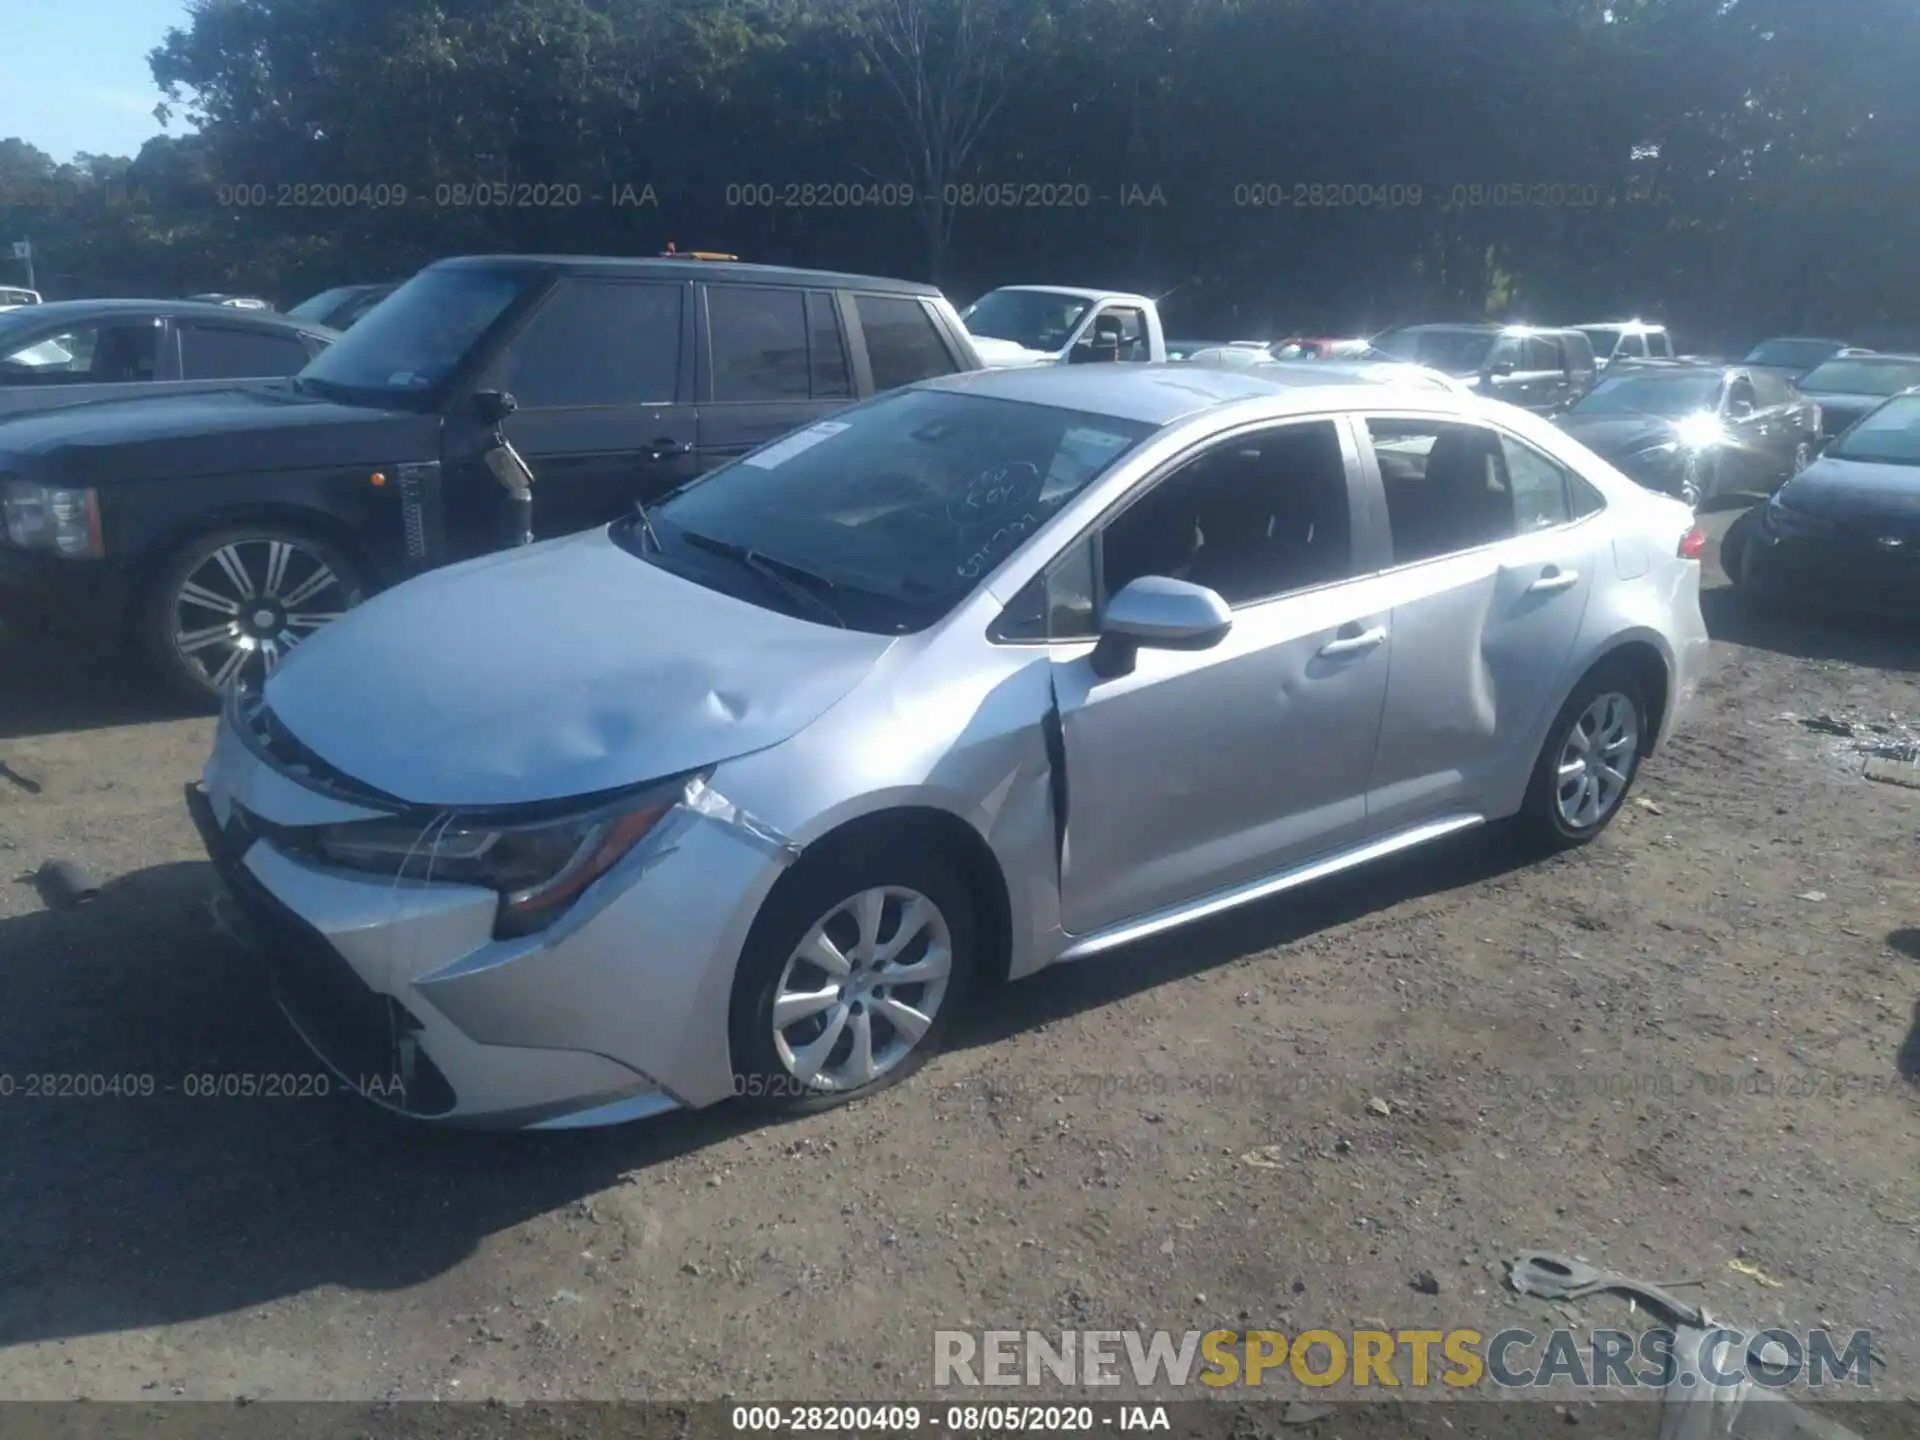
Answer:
(1693, 544)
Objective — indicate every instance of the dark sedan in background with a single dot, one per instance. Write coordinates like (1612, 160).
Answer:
(1847, 532)
(70, 352)
(1695, 431)
(1848, 386)
(1792, 356)
(341, 306)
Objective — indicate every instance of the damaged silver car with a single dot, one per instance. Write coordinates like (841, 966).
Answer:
(742, 795)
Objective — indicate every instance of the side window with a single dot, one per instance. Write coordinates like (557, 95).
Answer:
(1507, 350)
(1445, 484)
(1252, 518)
(1542, 492)
(596, 343)
(87, 355)
(1662, 344)
(1633, 345)
(1541, 352)
(1772, 390)
(759, 343)
(1128, 328)
(1057, 604)
(208, 352)
(827, 349)
(902, 344)
(1741, 399)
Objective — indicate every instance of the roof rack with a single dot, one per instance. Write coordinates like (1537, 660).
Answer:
(672, 254)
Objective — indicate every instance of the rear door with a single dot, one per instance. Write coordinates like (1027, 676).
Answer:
(112, 358)
(1493, 562)
(773, 358)
(603, 378)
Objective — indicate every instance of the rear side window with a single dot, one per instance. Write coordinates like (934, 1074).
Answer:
(1541, 352)
(1545, 493)
(599, 343)
(903, 344)
(1446, 487)
(208, 352)
(759, 343)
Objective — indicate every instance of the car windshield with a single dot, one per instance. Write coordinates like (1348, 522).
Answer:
(1666, 395)
(318, 307)
(1863, 377)
(892, 512)
(1457, 352)
(1887, 436)
(410, 342)
(1035, 319)
(1794, 354)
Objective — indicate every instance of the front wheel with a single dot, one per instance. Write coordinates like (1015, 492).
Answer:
(1589, 762)
(850, 977)
(231, 604)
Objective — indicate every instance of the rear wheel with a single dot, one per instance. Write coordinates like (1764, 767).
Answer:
(230, 605)
(1589, 761)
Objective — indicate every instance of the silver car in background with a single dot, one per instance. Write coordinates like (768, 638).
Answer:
(741, 796)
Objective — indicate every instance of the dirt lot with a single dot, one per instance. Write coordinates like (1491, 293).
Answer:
(1693, 1043)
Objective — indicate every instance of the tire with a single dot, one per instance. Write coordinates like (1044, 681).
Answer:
(1606, 701)
(200, 647)
(771, 1071)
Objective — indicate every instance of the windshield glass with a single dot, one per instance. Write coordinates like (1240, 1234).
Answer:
(1863, 377)
(1035, 319)
(895, 509)
(1458, 352)
(1666, 395)
(1887, 436)
(419, 333)
(1797, 354)
(322, 305)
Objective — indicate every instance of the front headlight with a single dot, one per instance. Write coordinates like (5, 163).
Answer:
(48, 517)
(538, 867)
(1701, 432)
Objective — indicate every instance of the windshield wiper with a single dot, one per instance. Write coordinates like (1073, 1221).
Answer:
(646, 524)
(781, 574)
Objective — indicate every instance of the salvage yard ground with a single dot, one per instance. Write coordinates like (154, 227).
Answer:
(1694, 1043)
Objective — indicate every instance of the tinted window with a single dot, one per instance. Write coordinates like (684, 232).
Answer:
(759, 343)
(1741, 397)
(101, 354)
(1662, 344)
(210, 353)
(594, 342)
(1602, 338)
(1634, 345)
(1541, 352)
(1542, 490)
(902, 344)
(317, 307)
(827, 350)
(423, 331)
(1887, 436)
(1250, 519)
(1772, 390)
(1793, 354)
(1446, 487)
(1863, 377)
(1670, 395)
(1457, 352)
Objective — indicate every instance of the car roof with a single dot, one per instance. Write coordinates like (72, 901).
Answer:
(1800, 340)
(77, 310)
(1159, 394)
(1645, 326)
(1079, 292)
(1877, 357)
(1488, 327)
(720, 270)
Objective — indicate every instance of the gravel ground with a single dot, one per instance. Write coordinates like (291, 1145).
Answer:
(1693, 1043)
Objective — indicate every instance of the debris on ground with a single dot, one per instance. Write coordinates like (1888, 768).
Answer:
(1816, 896)
(65, 884)
(1649, 806)
(1427, 1283)
(1267, 1157)
(1379, 1106)
(1754, 1273)
(1563, 1277)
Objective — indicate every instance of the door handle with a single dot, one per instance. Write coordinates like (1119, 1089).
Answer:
(666, 448)
(1354, 644)
(1553, 578)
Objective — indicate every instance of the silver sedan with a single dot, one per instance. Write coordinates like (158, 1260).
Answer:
(742, 796)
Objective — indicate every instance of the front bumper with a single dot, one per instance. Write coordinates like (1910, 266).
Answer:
(1834, 567)
(85, 595)
(620, 1011)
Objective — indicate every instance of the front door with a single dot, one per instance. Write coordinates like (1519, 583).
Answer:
(605, 413)
(773, 360)
(1203, 770)
(1493, 568)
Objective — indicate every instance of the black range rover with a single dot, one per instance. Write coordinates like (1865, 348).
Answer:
(216, 531)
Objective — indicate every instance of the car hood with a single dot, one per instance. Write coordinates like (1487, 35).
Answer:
(1857, 492)
(219, 432)
(558, 670)
(1609, 435)
(1007, 354)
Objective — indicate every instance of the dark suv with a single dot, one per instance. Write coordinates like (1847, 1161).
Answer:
(220, 530)
(1538, 370)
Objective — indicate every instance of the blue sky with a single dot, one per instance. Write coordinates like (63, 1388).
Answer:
(74, 76)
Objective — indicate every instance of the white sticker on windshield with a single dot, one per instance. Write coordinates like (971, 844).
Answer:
(797, 443)
(401, 380)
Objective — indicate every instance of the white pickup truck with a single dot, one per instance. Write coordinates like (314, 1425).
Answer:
(1019, 325)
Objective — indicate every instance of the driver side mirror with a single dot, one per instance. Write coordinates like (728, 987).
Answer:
(494, 406)
(1158, 613)
(1500, 370)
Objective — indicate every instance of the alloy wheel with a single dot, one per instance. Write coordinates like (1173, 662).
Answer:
(1596, 761)
(247, 604)
(862, 989)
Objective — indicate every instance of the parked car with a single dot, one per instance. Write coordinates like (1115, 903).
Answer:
(1185, 349)
(13, 296)
(1538, 370)
(74, 351)
(1019, 325)
(1627, 340)
(1698, 431)
(221, 530)
(984, 676)
(1848, 386)
(1792, 356)
(1331, 372)
(1846, 532)
(1321, 348)
(234, 302)
(339, 307)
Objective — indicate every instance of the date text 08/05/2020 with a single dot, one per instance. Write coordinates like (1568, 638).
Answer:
(949, 1419)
